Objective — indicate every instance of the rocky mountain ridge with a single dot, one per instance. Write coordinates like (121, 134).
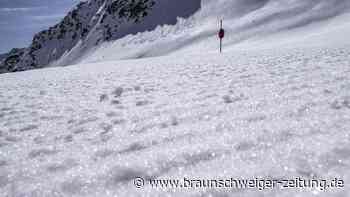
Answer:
(99, 17)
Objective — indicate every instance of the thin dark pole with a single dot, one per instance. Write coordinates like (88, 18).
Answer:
(220, 45)
(220, 38)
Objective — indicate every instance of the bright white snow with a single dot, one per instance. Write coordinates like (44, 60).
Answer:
(65, 132)
(270, 111)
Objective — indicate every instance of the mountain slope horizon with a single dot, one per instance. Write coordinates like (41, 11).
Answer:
(108, 29)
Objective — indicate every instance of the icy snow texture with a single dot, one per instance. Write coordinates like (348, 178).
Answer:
(88, 130)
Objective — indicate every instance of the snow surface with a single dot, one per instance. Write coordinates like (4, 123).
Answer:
(264, 108)
(65, 132)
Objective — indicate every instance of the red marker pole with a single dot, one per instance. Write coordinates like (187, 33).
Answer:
(221, 35)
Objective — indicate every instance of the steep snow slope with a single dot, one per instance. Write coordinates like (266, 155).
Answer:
(164, 12)
(89, 130)
(247, 23)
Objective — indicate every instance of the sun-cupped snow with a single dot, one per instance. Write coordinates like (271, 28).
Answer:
(91, 129)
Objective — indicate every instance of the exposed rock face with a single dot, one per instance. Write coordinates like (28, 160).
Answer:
(9, 60)
(3, 56)
(99, 18)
